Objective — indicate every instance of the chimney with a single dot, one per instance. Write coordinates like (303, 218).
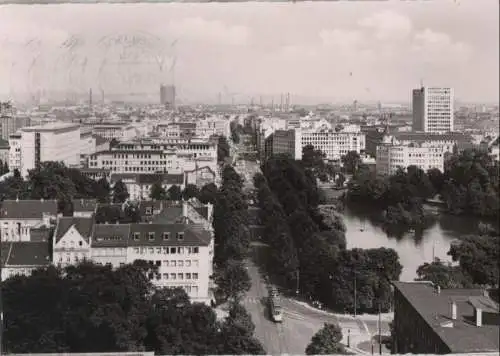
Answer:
(453, 305)
(486, 293)
(479, 317)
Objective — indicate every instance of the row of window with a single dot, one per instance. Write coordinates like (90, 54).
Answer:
(167, 250)
(176, 263)
(173, 276)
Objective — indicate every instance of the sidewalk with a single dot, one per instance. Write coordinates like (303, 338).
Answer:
(363, 317)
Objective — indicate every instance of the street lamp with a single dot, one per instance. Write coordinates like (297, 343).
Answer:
(297, 288)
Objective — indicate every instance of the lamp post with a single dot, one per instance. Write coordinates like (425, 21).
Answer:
(348, 337)
(298, 280)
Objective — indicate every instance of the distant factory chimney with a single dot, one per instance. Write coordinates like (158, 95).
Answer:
(90, 97)
(281, 103)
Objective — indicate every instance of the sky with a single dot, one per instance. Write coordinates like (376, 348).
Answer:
(336, 52)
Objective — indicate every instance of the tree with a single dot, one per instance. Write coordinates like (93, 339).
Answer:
(157, 191)
(92, 308)
(478, 258)
(326, 341)
(113, 142)
(223, 149)
(232, 280)
(351, 162)
(102, 190)
(239, 318)
(174, 193)
(191, 191)
(443, 275)
(120, 192)
(208, 193)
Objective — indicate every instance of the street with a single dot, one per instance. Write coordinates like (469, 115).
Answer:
(300, 321)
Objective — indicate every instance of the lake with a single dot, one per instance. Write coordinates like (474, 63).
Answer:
(413, 249)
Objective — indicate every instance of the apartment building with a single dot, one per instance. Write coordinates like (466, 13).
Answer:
(18, 218)
(433, 109)
(50, 142)
(335, 142)
(154, 156)
(71, 240)
(23, 257)
(390, 158)
(11, 123)
(282, 142)
(431, 320)
(180, 129)
(15, 152)
(213, 126)
(120, 131)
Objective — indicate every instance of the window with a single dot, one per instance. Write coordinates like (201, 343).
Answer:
(158, 250)
(136, 236)
(136, 250)
(165, 275)
(80, 243)
(173, 250)
(188, 275)
(166, 235)
(180, 236)
(188, 263)
(165, 250)
(158, 276)
(195, 249)
(180, 263)
(151, 236)
(173, 263)
(180, 275)
(172, 276)
(149, 210)
(150, 276)
(158, 263)
(195, 275)
(151, 250)
(196, 263)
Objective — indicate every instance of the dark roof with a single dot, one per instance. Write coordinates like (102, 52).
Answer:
(83, 226)
(191, 237)
(80, 205)
(24, 253)
(434, 308)
(110, 235)
(99, 140)
(27, 209)
(40, 234)
(4, 143)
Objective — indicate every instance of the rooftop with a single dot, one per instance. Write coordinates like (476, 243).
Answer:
(464, 336)
(52, 126)
(82, 225)
(25, 253)
(27, 209)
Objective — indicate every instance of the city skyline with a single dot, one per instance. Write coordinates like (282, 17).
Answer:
(339, 51)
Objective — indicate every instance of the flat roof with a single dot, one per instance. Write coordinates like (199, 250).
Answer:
(52, 126)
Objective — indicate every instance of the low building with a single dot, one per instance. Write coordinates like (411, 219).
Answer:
(18, 217)
(390, 157)
(84, 208)
(23, 257)
(139, 185)
(433, 320)
(72, 239)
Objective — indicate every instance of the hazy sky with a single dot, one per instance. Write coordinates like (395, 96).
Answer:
(339, 50)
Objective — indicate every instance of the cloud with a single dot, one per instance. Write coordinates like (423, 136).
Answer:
(197, 28)
(345, 39)
(438, 47)
(387, 25)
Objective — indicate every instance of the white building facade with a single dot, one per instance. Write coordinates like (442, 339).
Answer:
(433, 109)
(50, 142)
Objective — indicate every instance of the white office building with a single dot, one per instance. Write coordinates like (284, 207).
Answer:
(51, 142)
(433, 109)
